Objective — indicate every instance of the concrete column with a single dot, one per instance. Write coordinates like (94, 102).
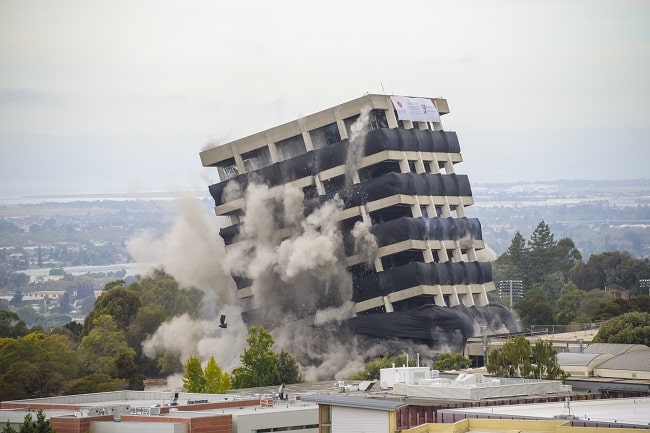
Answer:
(343, 132)
(240, 163)
(388, 305)
(483, 297)
(416, 212)
(307, 139)
(446, 210)
(449, 166)
(439, 298)
(305, 135)
(433, 165)
(453, 299)
(457, 253)
(428, 255)
(364, 214)
(391, 118)
(273, 151)
(404, 164)
(320, 188)
(419, 164)
(468, 299)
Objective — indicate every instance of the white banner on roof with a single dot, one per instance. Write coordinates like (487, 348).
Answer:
(415, 109)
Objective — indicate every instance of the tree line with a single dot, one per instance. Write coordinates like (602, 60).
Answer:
(105, 352)
(559, 288)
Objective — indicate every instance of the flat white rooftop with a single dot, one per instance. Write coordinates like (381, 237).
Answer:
(617, 410)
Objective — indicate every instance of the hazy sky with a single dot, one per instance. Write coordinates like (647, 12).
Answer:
(121, 95)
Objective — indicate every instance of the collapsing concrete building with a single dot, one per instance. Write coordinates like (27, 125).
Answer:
(369, 190)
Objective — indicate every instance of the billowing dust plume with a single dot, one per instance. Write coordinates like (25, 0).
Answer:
(193, 253)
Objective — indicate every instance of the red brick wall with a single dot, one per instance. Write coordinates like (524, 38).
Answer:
(217, 424)
(221, 423)
(71, 424)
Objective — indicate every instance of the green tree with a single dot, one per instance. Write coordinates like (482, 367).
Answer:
(288, 368)
(216, 381)
(608, 310)
(535, 309)
(97, 382)
(540, 253)
(451, 361)
(629, 328)
(169, 363)
(121, 303)
(194, 376)
(163, 291)
(127, 369)
(36, 365)
(11, 326)
(512, 359)
(103, 346)
(640, 303)
(591, 302)
(259, 362)
(568, 303)
(565, 257)
(617, 267)
(371, 370)
(41, 425)
(8, 428)
(517, 251)
(545, 362)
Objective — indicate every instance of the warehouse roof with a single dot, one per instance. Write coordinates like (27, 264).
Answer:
(638, 360)
(614, 348)
(578, 359)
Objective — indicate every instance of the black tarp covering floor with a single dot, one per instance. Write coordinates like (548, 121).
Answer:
(438, 326)
(421, 274)
(318, 160)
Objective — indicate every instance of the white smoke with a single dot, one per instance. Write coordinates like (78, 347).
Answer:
(193, 253)
(188, 336)
(365, 243)
(356, 146)
(294, 261)
(187, 251)
(486, 254)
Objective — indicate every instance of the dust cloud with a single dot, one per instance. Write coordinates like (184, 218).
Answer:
(193, 253)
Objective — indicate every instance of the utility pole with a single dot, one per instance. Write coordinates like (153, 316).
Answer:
(485, 345)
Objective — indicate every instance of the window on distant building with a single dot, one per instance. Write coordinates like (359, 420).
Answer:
(348, 124)
(290, 147)
(256, 159)
(227, 169)
(325, 135)
(378, 119)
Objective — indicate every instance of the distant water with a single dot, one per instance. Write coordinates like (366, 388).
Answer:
(131, 269)
(13, 200)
